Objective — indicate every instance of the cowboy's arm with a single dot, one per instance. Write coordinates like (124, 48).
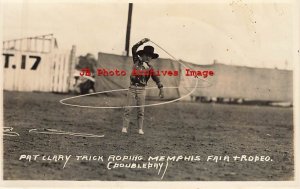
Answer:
(159, 85)
(157, 81)
(135, 47)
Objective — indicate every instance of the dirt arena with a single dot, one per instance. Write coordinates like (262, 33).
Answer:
(182, 128)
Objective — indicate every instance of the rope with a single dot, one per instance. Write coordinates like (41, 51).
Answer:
(7, 131)
(175, 59)
(58, 132)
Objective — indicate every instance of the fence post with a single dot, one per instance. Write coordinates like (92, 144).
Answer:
(72, 67)
(51, 45)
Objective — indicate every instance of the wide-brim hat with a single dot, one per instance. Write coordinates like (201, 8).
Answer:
(148, 50)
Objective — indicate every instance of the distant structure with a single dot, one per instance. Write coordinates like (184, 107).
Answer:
(40, 44)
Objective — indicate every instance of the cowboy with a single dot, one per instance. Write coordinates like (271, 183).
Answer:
(136, 92)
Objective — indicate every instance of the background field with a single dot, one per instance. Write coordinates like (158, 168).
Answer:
(181, 128)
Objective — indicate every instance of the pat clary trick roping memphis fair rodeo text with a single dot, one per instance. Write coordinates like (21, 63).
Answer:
(117, 72)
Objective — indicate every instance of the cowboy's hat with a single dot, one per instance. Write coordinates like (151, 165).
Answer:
(148, 50)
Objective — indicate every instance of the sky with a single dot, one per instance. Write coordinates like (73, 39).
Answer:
(235, 33)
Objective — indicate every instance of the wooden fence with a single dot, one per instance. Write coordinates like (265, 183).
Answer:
(37, 68)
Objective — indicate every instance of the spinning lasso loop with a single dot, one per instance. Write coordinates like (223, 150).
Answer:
(147, 105)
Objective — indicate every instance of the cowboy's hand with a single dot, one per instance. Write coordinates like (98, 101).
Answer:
(161, 93)
(145, 40)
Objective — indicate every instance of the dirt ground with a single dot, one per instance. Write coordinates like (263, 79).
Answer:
(181, 128)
